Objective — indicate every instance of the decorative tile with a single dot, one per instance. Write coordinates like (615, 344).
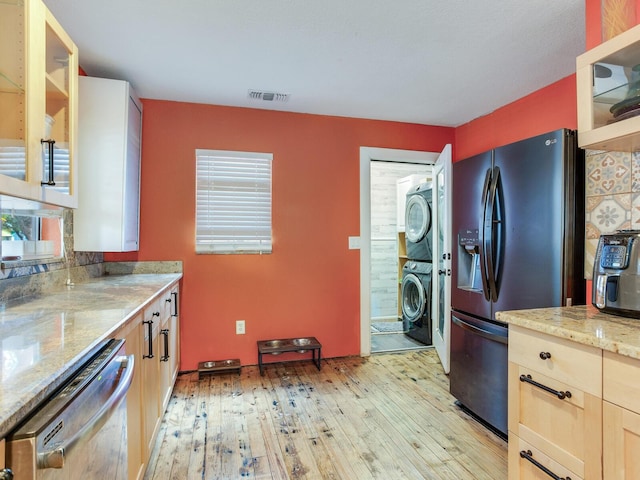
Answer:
(635, 211)
(635, 172)
(608, 173)
(607, 213)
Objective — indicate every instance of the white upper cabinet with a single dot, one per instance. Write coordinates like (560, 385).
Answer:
(38, 86)
(109, 141)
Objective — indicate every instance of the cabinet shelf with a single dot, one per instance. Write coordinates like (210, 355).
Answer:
(7, 85)
(55, 89)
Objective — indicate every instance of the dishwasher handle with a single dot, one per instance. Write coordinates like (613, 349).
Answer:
(479, 331)
(55, 458)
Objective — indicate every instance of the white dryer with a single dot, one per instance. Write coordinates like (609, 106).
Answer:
(418, 223)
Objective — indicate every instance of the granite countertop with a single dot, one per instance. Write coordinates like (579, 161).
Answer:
(44, 337)
(583, 324)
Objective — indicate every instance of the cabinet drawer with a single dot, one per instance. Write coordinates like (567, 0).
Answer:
(621, 383)
(568, 430)
(153, 312)
(568, 362)
(521, 468)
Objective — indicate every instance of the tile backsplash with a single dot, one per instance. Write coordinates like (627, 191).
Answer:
(612, 197)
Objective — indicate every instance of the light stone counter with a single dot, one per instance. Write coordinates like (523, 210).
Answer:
(582, 324)
(43, 338)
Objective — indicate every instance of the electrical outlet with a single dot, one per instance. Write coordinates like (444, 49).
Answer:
(240, 327)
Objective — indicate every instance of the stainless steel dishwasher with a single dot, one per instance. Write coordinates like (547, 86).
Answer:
(81, 430)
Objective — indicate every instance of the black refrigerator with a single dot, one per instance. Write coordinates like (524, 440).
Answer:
(518, 228)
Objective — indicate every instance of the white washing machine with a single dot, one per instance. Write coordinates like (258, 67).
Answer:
(418, 223)
(416, 300)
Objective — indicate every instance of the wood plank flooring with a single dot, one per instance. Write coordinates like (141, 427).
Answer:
(389, 416)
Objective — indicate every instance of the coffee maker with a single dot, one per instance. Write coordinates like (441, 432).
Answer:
(616, 274)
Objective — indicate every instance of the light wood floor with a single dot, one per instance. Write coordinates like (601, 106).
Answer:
(389, 416)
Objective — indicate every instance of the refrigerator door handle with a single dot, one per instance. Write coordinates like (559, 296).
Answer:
(479, 331)
(483, 250)
(493, 234)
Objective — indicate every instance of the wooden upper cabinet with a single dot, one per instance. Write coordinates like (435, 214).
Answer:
(38, 99)
(608, 89)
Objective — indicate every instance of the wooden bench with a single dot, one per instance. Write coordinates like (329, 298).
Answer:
(281, 345)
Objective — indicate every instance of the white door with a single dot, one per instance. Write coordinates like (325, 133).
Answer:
(441, 278)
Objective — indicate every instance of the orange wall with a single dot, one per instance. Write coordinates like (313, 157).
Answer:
(593, 14)
(547, 109)
(310, 284)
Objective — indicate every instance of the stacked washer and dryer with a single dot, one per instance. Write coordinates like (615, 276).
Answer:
(417, 271)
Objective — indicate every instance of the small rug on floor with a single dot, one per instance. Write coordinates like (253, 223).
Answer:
(386, 327)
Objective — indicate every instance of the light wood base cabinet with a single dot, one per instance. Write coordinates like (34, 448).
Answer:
(133, 342)
(169, 345)
(555, 407)
(151, 394)
(152, 382)
(621, 391)
(4, 473)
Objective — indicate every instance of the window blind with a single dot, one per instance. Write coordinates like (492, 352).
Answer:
(233, 202)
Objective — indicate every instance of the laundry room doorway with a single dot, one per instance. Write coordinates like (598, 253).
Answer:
(380, 170)
(390, 182)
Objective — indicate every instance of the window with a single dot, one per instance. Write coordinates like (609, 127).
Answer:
(30, 231)
(233, 202)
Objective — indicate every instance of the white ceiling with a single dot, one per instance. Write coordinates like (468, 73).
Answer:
(420, 61)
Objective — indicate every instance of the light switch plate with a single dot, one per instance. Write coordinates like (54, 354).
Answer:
(240, 327)
(354, 243)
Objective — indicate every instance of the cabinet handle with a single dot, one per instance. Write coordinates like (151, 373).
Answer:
(545, 355)
(527, 455)
(165, 357)
(149, 324)
(175, 304)
(51, 143)
(560, 395)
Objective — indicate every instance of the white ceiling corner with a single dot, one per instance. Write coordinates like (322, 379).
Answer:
(417, 61)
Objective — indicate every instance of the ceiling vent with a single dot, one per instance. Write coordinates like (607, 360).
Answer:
(268, 96)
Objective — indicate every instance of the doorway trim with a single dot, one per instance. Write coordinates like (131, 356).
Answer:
(367, 154)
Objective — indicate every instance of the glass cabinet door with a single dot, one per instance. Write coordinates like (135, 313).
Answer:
(13, 158)
(38, 106)
(59, 59)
